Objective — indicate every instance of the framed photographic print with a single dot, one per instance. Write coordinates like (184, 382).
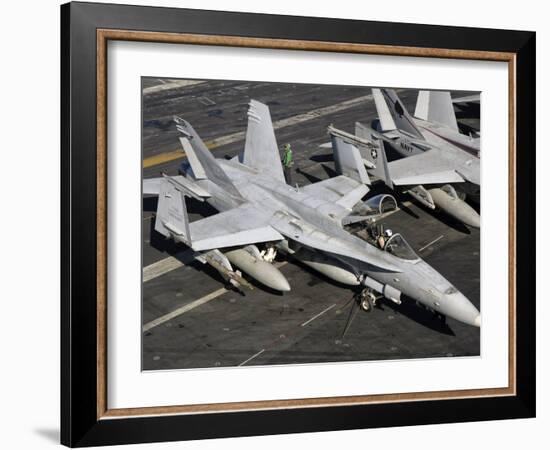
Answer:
(277, 224)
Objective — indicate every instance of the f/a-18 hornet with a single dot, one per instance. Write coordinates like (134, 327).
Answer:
(259, 213)
(439, 166)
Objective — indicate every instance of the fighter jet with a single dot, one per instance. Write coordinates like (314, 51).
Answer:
(439, 166)
(259, 214)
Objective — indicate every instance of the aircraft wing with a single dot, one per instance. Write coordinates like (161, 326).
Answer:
(341, 190)
(429, 167)
(261, 151)
(239, 226)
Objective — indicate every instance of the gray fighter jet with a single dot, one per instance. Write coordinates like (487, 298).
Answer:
(439, 166)
(259, 214)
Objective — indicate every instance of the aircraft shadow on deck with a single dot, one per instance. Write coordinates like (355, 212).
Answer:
(420, 315)
(323, 158)
(311, 178)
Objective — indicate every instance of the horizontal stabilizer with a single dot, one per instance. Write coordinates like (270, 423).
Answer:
(151, 186)
(171, 219)
(188, 187)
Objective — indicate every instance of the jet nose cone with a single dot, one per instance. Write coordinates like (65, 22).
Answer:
(458, 307)
(477, 321)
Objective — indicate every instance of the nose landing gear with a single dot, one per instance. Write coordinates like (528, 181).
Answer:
(366, 299)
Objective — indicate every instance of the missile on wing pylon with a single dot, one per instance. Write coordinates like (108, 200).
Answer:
(218, 261)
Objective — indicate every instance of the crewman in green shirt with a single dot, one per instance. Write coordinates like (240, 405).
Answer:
(288, 162)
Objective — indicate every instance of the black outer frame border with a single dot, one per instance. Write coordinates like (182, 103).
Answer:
(79, 425)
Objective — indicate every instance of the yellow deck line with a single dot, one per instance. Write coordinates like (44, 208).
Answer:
(240, 135)
(163, 158)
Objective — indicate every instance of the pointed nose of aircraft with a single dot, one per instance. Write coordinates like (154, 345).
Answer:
(457, 306)
(477, 321)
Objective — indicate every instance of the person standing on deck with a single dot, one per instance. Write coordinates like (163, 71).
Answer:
(288, 162)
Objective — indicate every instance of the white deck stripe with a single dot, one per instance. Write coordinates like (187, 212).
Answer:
(318, 315)
(160, 268)
(252, 357)
(433, 242)
(166, 265)
(183, 309)
(170, 85)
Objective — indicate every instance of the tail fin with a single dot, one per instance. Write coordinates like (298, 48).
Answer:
(393, 114)
(376, 156)
(260, 150)
(362, 131)
(202, 162)
(436, 106)
(172, 220)
(348, 161)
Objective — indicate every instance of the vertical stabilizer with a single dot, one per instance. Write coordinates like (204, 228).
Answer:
(348, 161)
(376, 156)
(260, 150)
(437, 107)
(202, 162)
(392, 113)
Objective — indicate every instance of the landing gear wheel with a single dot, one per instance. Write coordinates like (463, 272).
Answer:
(366, 304)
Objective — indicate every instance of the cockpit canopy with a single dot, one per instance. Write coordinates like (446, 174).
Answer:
(398, 246)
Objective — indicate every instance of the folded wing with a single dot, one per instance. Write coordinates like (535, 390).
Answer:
(341, 190)
(429, 167)
(240, 226)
